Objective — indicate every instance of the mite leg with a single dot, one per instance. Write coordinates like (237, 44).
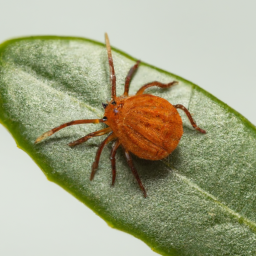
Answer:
(52, 131)
(90, 135)
(155, 83)
(129, 77)
(113, 160)
(111, 67)
(135, 173)
(110, 137)
(193, 123)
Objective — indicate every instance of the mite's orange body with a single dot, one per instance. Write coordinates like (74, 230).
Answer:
(145, 125)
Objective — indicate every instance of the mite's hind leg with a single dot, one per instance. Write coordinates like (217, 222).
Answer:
(134, 171)
(113, 160)
(129, 77)
(90, 135)
(155, 83)
(52, 131)
(110, 137)
(193, 123)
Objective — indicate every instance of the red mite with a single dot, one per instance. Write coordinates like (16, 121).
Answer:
(145, 125)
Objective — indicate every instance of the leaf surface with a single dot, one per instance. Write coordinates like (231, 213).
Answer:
(201, 199)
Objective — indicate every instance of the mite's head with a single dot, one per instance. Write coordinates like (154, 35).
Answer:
(111, 106)
(113, 109)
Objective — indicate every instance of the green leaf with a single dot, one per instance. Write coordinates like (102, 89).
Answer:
(201, 199)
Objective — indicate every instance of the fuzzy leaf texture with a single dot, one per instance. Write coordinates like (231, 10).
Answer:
(201, 199)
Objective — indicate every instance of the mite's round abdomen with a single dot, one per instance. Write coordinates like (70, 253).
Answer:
(150, 127)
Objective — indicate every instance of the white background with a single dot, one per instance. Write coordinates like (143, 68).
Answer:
(211, 43)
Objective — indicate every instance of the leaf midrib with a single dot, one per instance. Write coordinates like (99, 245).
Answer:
(240, 219)
(74, 99)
